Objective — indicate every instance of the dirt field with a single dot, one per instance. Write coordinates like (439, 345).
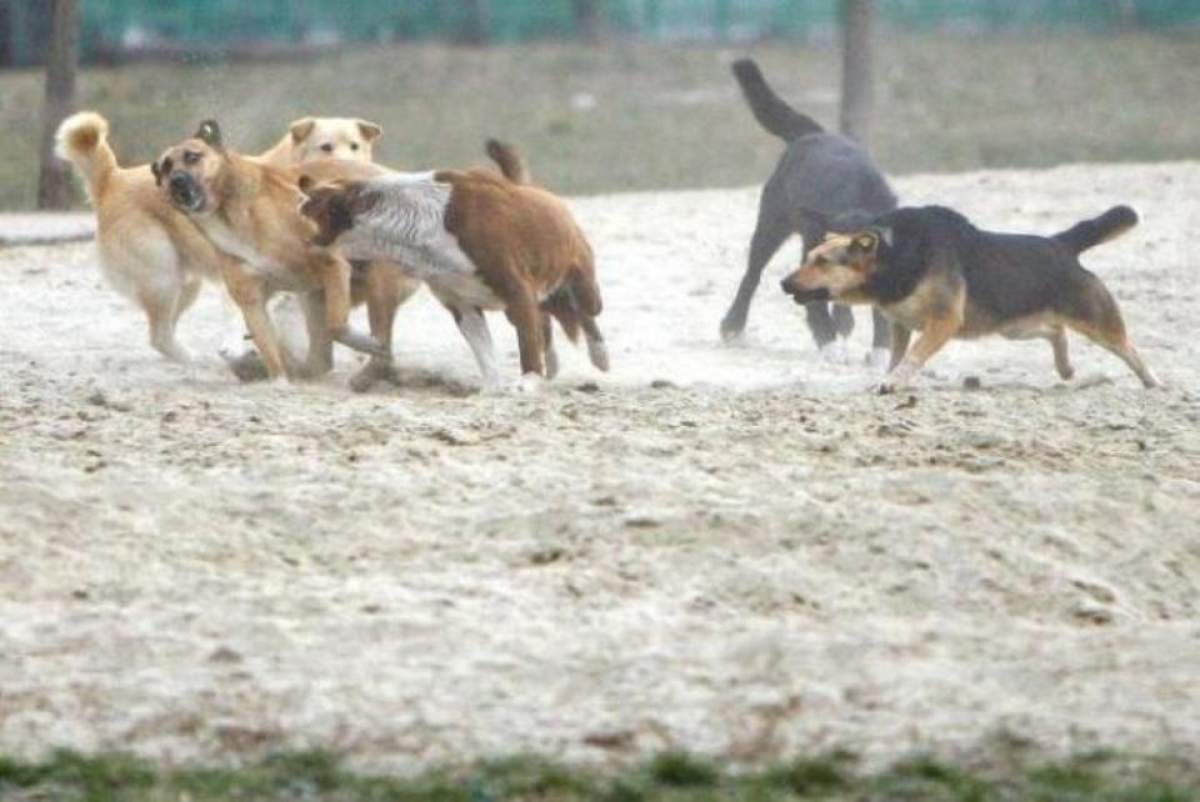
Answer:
(736, 550)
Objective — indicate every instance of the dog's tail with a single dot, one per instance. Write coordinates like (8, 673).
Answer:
(1090, 233)
(510, 161)
(769, 108)
(82, 139)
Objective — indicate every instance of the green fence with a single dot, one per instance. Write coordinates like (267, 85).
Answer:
(115, 26)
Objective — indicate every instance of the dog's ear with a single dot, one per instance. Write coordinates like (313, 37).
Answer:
(885, 234)
(301, 129)
(306, 183)
(360, 198)
(210, 134)
(161, 170)
(369, 130)
(864, 242)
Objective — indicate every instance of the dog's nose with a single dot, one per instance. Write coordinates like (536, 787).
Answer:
(784, 285)
(178, 181)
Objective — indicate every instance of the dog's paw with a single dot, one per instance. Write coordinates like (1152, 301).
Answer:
(878, 358)
(886, 388)
(371, 374)
(247, 365)
(731, 329)
(835, 352)
(528, 383)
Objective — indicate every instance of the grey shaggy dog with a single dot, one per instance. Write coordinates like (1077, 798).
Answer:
(820, 177)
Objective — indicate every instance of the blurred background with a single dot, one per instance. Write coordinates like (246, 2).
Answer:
(611, 95)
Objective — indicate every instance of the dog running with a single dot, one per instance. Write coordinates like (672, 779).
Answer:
(481, 241)
(931, 270)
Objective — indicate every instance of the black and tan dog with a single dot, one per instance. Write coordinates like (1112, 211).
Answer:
(931, 270)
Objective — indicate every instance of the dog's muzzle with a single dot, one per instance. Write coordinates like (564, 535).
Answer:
(185, 192)
(805, 296)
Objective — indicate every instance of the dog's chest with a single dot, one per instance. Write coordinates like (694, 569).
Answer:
(227, 240)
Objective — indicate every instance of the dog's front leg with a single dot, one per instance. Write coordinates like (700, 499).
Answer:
(320, 342)
(937, 333)
(900, 337)
(385, 287)
(474, 329)
(334, 272)
(249, 294)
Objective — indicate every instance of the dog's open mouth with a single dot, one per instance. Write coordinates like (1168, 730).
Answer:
(186, 195)
(807, 296)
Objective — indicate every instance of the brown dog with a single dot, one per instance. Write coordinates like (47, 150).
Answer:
(247, 211)
(930, 270)
(151, 252)
(481, 241)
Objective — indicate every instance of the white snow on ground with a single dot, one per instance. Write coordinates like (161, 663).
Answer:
(757, 556)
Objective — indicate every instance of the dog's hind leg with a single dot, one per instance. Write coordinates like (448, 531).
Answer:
(1095, 315)
(161, 315)
(1062, 358)
(548, 352)
(526, 316)
(597, 349)
(769, 234)
(187, 296)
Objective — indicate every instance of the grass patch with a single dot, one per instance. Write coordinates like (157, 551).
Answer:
(316, 776)
(629, 116)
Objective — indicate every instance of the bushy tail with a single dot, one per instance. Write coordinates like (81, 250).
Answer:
(510, 161)
(1090, 233)
(769, 109)
(82, 139)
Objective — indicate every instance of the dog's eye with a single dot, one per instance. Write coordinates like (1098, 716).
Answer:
(191, 157)
(353, 146)
(327, 147)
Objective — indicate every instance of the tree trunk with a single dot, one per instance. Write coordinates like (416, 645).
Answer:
(474, 27)
(587, 19)
(857, 82)
(54, 182)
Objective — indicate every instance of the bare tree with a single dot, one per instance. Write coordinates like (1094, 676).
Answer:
(587, 19)
(858, 91)
(54, 183)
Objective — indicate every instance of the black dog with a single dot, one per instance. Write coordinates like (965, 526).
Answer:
(821, 176)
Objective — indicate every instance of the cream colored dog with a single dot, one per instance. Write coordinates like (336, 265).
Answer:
(151, 252)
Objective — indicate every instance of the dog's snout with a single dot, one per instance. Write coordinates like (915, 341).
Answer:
(178, 182)
(786, 285)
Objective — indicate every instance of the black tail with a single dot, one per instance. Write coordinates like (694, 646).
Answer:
(509, 160)
(769, 109)
(1090, 233)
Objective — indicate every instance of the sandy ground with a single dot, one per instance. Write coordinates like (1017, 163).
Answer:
(732, 549)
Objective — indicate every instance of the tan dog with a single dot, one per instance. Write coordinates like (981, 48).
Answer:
(248, 212)
(481, 242)
(152, 253)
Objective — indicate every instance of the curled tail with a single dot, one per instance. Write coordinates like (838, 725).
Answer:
(1090, 233)
(769, 108)
(509, 160)
(82, 139)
